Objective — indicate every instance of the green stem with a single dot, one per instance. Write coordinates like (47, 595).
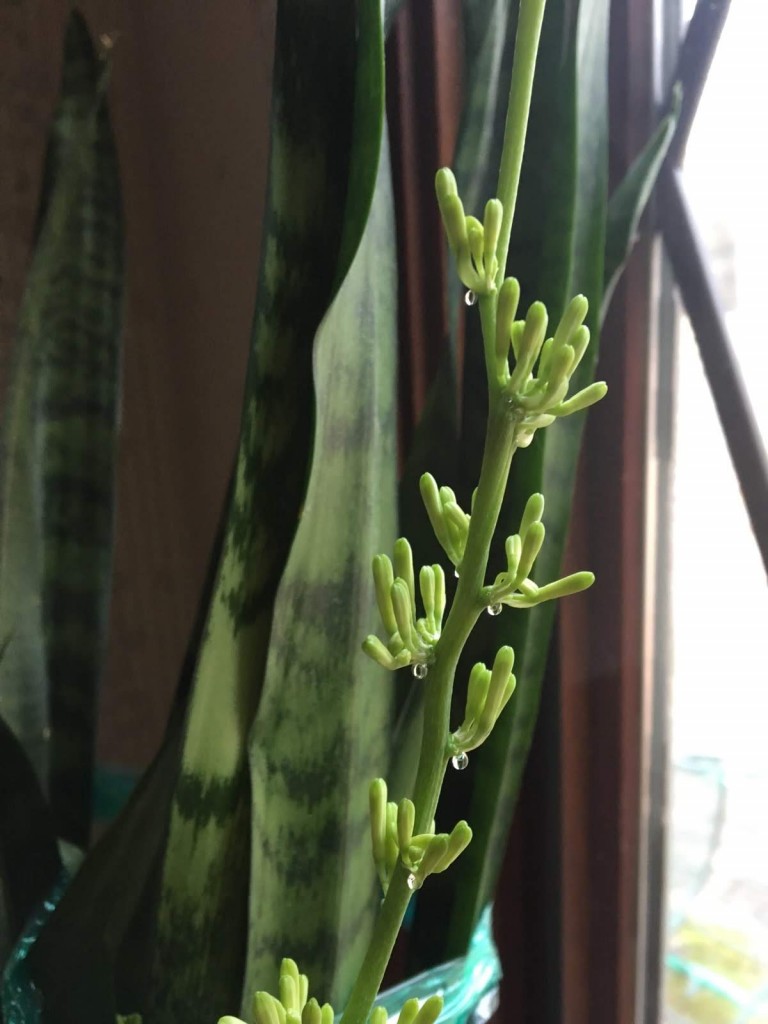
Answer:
(465, 610)
(529, 22)
(468, 601)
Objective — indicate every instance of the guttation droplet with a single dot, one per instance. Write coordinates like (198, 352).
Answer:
(419, 670)
(494, 609)
(460, 761)
(413, 883)
(470, 298)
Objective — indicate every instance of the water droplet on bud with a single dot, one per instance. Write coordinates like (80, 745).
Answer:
(413, 883)
(470, 298)
(419, 670)
(494, 609)
(456, 573)
(460, 761)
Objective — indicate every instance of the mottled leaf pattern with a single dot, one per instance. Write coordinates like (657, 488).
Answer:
(59, 447)
(323, 723)
(202, 926)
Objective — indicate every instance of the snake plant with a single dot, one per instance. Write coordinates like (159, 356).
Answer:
(291, 810)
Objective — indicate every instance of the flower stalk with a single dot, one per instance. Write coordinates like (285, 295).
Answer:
(529, 376)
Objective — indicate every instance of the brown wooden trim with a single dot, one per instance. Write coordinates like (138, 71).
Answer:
(604, 670)
(423, 105)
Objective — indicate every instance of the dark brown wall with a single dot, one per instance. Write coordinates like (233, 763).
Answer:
(190, 100)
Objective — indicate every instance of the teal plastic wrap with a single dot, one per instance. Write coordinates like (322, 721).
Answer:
(20, 999)
(469, 985)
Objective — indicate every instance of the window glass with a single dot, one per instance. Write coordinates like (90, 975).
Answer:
(716, 943)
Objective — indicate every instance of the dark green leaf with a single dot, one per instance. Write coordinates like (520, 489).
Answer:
(627, 203)
(59, 447)
(194, 945)
(316, 210)
(29, 857)
(323, 723)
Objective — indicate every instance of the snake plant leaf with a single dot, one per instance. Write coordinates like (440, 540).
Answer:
(202, 923)
(199, 874)
(59, 447)
(94, 953)
(323, 722)
(626, 205)
(29, 856)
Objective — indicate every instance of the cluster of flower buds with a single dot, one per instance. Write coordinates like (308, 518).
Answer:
(392, 840)
(473, 244)
(449, 520)
(488, 693)
(292, 1007)
(412, 1012)
(411, 639)
(513, 587)
(537, 385)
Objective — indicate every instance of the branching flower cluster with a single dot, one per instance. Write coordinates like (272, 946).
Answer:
(293, 1006)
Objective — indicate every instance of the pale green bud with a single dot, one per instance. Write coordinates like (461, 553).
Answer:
(533, 512)
(409, 1012)
(509, 297)
(475, 235)
(439, 593)
(383, 578)
(403, 608)
(580, 343)
(289, 984)
(513, 548)
(571, 320)
(378, 1016)
(427, 588)
(515, 337)
(406, 816)
(532, 542)
(565, 587)
(393, 851)
(267, 1010)
(545, 359)
(429, 1011)
(560, 367)
(433, 855)
(403, 565)
(451, 210)
(455, 844)
(312, 1014)
(376, 650)
(327, 1014)
(494, 213)
(500, 676)
(433, 503)
(529, 345)
(477, 692)
(377, 804)
(582, 399)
